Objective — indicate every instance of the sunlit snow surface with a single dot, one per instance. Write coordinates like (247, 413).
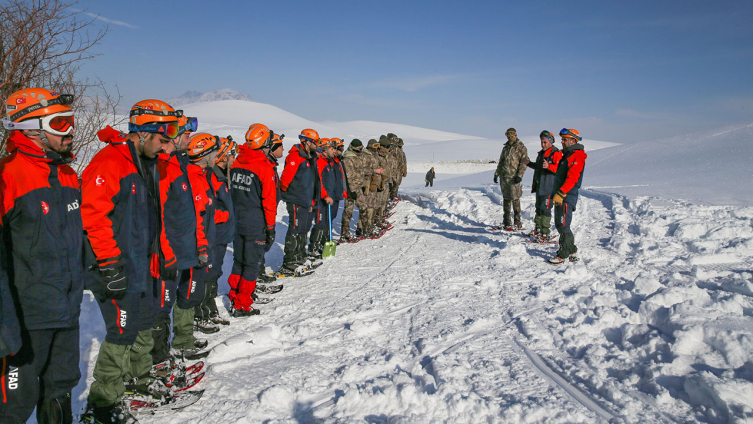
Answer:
(442, 320)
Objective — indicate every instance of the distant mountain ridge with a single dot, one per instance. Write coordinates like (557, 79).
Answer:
(190, 97)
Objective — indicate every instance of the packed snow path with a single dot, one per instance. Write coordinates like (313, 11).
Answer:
(442, 320)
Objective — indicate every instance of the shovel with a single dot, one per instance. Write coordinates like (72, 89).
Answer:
(330, 246)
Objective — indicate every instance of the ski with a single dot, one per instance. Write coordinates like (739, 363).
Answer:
(146, 405)
(269, 289)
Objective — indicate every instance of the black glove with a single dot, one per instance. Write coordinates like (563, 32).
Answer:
(270, 233)
(115, 279)
(170, 272)
(516, 180)
(203, 256)
(496, 179)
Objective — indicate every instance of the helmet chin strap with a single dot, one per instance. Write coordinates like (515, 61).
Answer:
(142, 140)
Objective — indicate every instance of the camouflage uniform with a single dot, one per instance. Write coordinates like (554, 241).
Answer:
(367, 202)
(383, 190)
(510, 166)
(353, 162)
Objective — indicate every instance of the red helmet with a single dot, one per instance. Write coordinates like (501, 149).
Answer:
(258, 136)
(201, 145)
(309, 135)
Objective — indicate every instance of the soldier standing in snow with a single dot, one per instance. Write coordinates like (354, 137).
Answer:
(510, 170)
(430, 177)
(383, 189)
(403, 162)
(356, 183)
(544, 168)
(567, 182)
(43, 242)
(372, 175)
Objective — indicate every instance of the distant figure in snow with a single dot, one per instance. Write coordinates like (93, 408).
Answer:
(509, 174)
(544, 170)
(567, 181)
(430, 178)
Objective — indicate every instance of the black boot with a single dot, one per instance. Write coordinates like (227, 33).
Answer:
(55, 411)
(291, 249)
(161, 335)
(316, 244)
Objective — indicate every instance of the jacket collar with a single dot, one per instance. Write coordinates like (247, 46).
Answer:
(23, 144)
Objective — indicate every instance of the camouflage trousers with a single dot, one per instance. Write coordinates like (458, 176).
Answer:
(510, 190)
(365, 205)
(348, 206)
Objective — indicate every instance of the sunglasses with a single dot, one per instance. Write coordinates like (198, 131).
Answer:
(170, 130)
(61, 123)
(304, 138)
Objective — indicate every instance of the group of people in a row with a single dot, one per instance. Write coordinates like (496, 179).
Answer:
(146, 229)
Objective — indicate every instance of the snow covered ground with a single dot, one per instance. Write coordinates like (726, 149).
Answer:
(442, 320)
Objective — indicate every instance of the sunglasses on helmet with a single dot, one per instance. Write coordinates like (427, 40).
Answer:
(61, 123)
(564, 132)
(170, 130)
(304, 138)
(191, 126)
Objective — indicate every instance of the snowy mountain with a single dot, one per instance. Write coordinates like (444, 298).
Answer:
(196, 97)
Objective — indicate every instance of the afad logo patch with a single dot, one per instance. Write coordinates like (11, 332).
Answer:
(45, 207)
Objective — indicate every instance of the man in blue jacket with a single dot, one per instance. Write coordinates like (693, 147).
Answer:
(43, 237)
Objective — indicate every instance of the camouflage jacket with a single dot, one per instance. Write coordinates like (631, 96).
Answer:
(354, 170)
(369, 164)
(510, 164)
(403, 160)
(386, 177)
(393, 165)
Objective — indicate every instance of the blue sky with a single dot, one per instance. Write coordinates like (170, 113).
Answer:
(616, 71)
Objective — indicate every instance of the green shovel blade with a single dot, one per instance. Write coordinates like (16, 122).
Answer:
(329, 249)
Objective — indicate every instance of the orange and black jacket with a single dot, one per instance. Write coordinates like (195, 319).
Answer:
(42, 234)
(300, 180)
(178, 226)
(224, 213)
(120, 214)
(543, 179)
(341, 185)
(569, 174)
(328, 187)
(204, 200)
(254, 192)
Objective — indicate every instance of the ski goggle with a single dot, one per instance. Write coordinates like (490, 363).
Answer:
(61, 123)
(191, 126)
(564, 132)
(170, 130)
(309, 139)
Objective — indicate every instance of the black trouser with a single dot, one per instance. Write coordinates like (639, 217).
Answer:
(167, 292)
(209, 307)
(191, 290)
(563, 216)
(248, 254)
(46, 368)
(429, 183)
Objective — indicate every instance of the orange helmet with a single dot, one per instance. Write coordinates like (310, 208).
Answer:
(564, 132)
(35, 102)
(202, 144)
(259, 136)
(309, 135)
(338, 142)
(225, 147)
(277, 141)
(148, 111)
(324, 142)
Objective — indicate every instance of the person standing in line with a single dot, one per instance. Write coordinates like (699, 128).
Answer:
(430, 177)
(274, 155)
(355, 182)
(372, 177)
(567, 183)
(509, 173)
(207, 315)
(120, 212)
(325, 150)
(544, 172)
(255, 201)
(40, 202)
(299, 185)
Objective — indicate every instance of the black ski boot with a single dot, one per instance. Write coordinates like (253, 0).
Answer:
(56, 410)
(114, 414)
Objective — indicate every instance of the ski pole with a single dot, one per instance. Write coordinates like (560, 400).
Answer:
(329, 215)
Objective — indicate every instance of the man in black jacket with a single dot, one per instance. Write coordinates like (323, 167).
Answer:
(430, 177)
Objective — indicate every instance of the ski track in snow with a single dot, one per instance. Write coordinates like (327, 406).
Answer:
(442, 320)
